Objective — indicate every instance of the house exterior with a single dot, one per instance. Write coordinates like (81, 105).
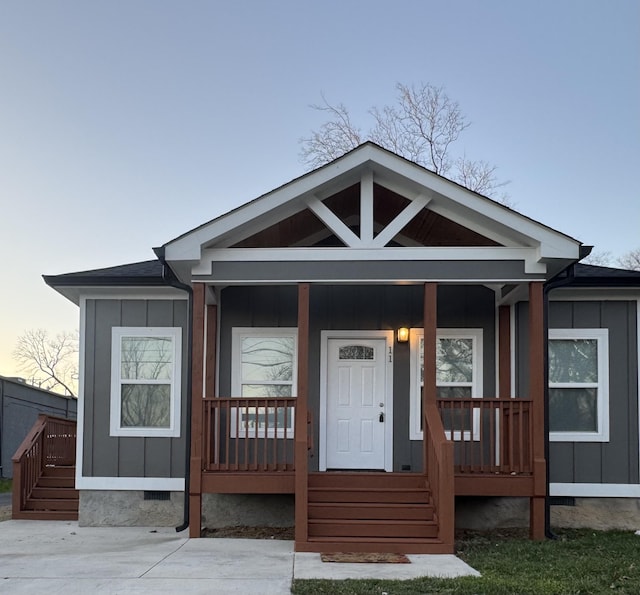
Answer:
(20, 405)
(371, 339)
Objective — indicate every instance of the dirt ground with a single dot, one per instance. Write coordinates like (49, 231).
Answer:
(5, 513)
(251, 532)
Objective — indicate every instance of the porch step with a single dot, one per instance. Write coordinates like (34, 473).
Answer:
(376, 545)
(56, 482)
(54, 496)
(56, 504)
(370, 512)
(372, 528)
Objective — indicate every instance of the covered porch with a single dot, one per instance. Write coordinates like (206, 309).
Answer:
(490, 446)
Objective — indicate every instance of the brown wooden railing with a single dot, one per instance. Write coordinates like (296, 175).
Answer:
(491, 436)
(249, 434)
(439, 467)
(50, 442)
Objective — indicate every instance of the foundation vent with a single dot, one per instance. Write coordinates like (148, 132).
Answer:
(157, 495)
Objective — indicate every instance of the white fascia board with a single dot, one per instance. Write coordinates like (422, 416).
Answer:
(595, 490)
(77, 293)
(160, 484)
(478, 253)
(188, 246)
(555, 244)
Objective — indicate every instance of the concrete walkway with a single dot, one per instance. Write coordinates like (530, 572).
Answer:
(58, 557)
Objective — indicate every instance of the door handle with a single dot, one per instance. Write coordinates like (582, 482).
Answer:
(381, 418)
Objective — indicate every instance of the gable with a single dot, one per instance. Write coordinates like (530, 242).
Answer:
(305, 229)
(372, 205)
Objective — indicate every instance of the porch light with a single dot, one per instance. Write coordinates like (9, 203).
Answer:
(403, 334)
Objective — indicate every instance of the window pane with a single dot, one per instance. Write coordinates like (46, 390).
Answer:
(267, 358)
(453, 392)
(573, 410)
(266, 390)
(573, 360)
(145, 405)
(146, 358)
(454, 360)
(355, 352)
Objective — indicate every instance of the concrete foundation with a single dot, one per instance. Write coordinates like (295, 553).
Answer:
(588, 513)
(105, 508)
(102, 508)
(491, 513)
(251, 510)
(598, 513)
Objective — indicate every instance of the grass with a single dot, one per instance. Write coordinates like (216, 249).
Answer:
(579, 562)
(5, 485)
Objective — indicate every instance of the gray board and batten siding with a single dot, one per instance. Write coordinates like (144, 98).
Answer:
(118, 456)
(615, 461)
(20, 405)
(361, 308)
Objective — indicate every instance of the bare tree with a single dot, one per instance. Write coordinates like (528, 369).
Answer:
(422, 127)
(630, 260)
(48, 362)
(601, 259)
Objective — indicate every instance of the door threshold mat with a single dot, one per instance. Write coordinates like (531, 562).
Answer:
(367, 558)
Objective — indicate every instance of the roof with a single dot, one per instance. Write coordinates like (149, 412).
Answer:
(588, 275)
(148, 272)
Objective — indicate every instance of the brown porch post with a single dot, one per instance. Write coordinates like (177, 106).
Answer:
(197, 377)
(504, 351)
(536, 394)
(301, 432)
(210, 365)
(429, 380)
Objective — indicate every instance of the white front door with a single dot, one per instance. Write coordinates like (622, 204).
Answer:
(357, 414)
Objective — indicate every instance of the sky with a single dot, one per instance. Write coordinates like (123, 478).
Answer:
(124, 124)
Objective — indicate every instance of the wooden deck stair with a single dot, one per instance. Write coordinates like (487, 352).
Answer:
(53, 497)
(371, 512)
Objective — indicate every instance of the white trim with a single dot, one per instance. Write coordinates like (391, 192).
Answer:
(324, 368)
(168, 484)
(175, 382)
(366, 208)
(474, 253)
(81, 395)
(638, 369)
(237, 334)
(595, 490)
(360, 281)
(75, 293)
(400, 221)
(326, 215)
(477, 388)
(601, 335)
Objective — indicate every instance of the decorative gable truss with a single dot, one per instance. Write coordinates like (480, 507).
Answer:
(371, 206)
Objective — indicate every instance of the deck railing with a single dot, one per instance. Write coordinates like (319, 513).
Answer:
(249, 434)
(50, 442)
(491, 436)
(439, 468)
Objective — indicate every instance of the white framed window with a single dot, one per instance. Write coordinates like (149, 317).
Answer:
(145, 381)
(264, 364)
(579, 385)
(458, 375)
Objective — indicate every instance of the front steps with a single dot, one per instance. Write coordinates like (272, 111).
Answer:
(371, 512)
(53, 498)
